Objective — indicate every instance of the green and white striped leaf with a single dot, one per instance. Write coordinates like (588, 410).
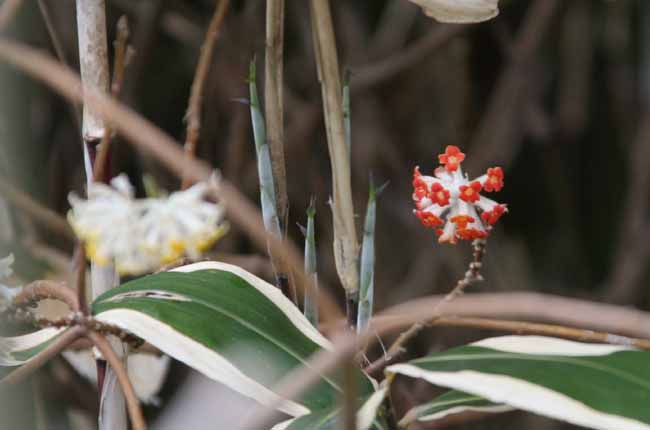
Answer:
(596, 386)
(229, 325)
(326, 419)
(17, 350)
(451, 403)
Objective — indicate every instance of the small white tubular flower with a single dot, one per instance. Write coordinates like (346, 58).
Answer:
(7, 293)
(450, 193)
(184, 223)
(460, 11)
(140, 235)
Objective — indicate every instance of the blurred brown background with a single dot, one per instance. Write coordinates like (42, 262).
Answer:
(554, 91)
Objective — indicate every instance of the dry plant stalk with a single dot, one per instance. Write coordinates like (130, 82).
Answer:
(346, 245)
(93, 60)
(196, 96)
(274, 116)
(274, 103)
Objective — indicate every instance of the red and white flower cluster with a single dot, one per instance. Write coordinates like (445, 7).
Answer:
(450, 193)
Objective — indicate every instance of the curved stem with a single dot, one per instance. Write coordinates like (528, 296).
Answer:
(132, 403)
(194, 106)
(38, 290)
(44, 356)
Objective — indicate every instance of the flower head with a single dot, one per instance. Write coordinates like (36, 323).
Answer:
(140, 235)
(469, 215)
(7, 293)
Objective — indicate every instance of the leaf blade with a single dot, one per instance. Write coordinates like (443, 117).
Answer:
(607, 387)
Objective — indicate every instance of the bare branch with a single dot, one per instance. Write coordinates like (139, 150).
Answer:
(39, 290)
(132, 403)
(194, 106)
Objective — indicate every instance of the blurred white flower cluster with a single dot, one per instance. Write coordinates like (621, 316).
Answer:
(140, 235)
(7, 293)
(460, 11)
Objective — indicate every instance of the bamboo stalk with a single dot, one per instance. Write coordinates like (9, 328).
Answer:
(346, 246)
(93, 60)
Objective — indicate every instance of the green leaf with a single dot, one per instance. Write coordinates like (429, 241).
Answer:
(17, 350)
(228, 324)
(594, 386)
(450, 403)
(368, 416)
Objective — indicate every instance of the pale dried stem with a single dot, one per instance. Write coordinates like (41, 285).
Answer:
(274, 103)
(93, 63)
(196, 96)
(346, 246)
(44, 356)
(132, 403)
(152, 140)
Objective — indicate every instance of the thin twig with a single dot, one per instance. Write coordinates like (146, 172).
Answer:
(472, 276)
(44, 356)
(193, 114)
(44, 215)
(370, 75)
(120, 62)
(60, 53)
(346, 245)
(132, 403)
(39, 290)
(241, 211)
(522, 327)
(8, 10)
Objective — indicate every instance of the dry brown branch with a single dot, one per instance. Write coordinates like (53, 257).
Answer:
(119, 65)
(39, 290)
(152, 140)
(521, 327)
(193, 114)
(472, 276)
(373, 74)
(46, 216)
(346, 246)
(44, 356)
(491, 141)
(132, 403)
(633, 247)
(274, 103)
(8, 10)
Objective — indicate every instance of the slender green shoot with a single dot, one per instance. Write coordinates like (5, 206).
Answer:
(311, 293)
(367, 281)
(267, 187)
